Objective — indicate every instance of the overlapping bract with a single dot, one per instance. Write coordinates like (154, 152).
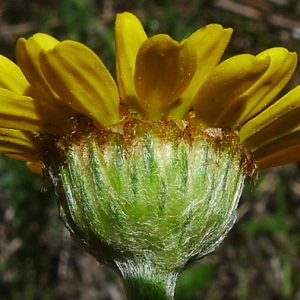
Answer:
(157, 79)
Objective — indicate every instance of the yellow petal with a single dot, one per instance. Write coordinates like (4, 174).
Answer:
(163, 71)
(81, 80)
(209, 44)
(35, 167)
(12, 77)
(129, 35)
(9, 148)
(25, 113)
(20, 137)
(17, 141)
(279, 152)
(24, 157)
(28, 57)
(283, 157)
(262, 93)
(227, 82)
(281, 118)
(32, 162)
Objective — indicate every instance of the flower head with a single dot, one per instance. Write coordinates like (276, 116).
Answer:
(148, 168)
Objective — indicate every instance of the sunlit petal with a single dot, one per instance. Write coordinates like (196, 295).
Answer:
(262, 93)
(28, 57)
(209, 44)
(164, 68)
(84, 84)
(227, 82)
(129, 34)
(12, 77)
(281, 118)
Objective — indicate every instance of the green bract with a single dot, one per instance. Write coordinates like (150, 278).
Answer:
(161, 194)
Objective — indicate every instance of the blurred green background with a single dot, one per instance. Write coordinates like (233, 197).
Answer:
(260, 258)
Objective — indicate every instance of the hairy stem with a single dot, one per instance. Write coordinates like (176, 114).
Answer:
(143, 280)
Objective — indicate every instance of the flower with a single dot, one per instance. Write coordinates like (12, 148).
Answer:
(149, 168)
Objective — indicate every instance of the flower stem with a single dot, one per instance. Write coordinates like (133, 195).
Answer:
(144, 281)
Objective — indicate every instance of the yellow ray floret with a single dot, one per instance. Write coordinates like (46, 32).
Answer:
(12, 77)
(279, 120)
(23, 112)
(226, 83)
(28, 57)
(209, 44)
(263, 92)
(164, 68)
(279, 153)
(130, 35)
(85, 85)
(18, 142)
